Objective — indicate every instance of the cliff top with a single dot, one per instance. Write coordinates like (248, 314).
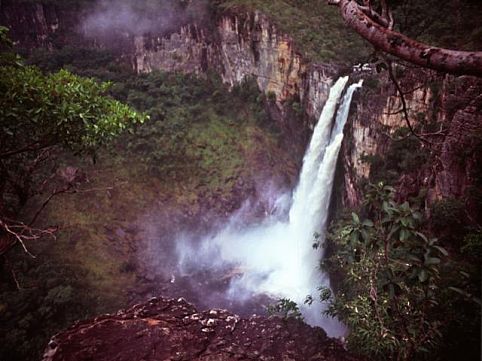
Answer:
(168, 329)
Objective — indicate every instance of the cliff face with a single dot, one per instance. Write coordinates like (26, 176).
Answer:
(240, 46)
(445, 110)
(236, 46)
(37, 25)
(167, 329)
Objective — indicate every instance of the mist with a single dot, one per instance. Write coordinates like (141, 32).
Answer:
(275, 258)
(138, 17)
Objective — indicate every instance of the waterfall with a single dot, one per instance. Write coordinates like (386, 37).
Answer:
(277, 258)
(309, 211)
(315, 153)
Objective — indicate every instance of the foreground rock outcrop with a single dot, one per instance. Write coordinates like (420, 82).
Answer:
(167, 329)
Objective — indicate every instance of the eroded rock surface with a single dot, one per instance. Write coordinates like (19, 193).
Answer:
(450, 105)
(168, 329)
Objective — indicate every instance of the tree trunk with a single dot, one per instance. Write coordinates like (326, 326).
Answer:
(445, 60)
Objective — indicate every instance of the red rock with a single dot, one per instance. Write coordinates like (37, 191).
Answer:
(167, 329)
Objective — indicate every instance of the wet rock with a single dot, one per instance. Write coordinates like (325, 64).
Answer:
(168, 329)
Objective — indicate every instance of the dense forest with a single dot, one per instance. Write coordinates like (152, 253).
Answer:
(103, 167)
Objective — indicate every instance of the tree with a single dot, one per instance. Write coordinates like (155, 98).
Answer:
(39, 115)
(374, 22)
(390, 293)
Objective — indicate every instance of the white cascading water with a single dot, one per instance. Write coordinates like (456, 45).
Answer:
(277, 258)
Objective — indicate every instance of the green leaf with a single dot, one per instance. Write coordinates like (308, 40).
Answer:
(441, 250)
(421, 235)
(422, 276)
(404, 234)
(414, 258)
(354, 236)
(365, 235)
(432, 261)
(355, 218)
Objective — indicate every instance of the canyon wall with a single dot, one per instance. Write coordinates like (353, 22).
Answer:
(445, 111)
(238, 45)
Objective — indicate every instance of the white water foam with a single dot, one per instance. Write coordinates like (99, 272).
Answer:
(277, 257)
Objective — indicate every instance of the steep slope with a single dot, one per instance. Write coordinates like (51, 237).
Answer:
(445, 111)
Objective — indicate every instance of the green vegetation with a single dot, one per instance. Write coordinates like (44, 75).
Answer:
(455, 25)
(395, 295)
(49, 295)
(191, 130)
(320, 33)
(317, 29)
(40, 114)
(285, 308)
(448, 217)
(198, 155)
(404, 156)
(40, 111)
(472, 246)
(41, 118)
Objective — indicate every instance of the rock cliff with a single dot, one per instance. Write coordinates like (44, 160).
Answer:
(167, 329)
(237, 45)
(446, 111)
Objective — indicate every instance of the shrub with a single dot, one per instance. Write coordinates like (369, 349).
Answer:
(448, 215)
(391, 272)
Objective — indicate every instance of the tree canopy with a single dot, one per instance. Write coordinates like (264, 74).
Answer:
(39, 113)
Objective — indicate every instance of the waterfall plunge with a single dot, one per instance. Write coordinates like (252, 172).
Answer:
(277, 257)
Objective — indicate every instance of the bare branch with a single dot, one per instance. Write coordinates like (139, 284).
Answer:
(404, 103)
(20, 238)
(15, 280)
(376, 17)
(387, 14)
(67, 190)
(22, 233)
(46, 202)
(33, 147)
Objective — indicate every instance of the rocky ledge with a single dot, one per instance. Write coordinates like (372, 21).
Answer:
(167, 329)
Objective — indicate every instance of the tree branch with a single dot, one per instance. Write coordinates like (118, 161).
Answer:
(404, 103)
(44, 204)
(445, 60)
(28, 148)
(22, 233)
(387, 14)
